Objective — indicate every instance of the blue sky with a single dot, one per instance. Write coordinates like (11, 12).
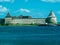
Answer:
(34, 8)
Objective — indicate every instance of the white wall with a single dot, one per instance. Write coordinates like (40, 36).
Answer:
(8, 20)
(28, 21)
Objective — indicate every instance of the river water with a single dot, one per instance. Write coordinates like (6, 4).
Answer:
(29, 35)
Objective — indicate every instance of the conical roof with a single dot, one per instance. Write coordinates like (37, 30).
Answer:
(8, 15)
(51, 14)
(51, 19)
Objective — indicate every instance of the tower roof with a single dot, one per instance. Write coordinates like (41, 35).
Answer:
(8, 15)
(51, 14)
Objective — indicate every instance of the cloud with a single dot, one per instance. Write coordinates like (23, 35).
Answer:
(40, 14)
(7, 1)
(12, 1)
(26, 0)
(58, 12)
(53, 1)
(24, 10)
(3, 9)
(1, 14)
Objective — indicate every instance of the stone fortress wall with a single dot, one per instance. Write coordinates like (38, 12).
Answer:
(29, 20)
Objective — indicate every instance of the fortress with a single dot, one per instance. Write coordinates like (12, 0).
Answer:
(51, 19)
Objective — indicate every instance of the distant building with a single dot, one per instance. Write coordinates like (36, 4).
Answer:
(29, 20)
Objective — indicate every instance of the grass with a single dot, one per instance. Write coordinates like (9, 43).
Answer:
(24, 24)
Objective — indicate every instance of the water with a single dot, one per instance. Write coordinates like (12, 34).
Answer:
(30, 35)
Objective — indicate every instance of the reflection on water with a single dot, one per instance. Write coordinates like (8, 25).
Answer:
(30, 35)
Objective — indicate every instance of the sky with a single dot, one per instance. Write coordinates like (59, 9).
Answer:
(34, 8)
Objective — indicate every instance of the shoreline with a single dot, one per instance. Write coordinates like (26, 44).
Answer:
(30, 25)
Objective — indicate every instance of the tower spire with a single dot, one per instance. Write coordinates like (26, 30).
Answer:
(8, 15)
(51, 14)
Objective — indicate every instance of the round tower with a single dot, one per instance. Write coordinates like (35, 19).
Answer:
(8, 19)
(51, 19)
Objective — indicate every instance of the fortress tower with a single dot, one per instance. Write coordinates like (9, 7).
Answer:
(8, 18)
(51, 19)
